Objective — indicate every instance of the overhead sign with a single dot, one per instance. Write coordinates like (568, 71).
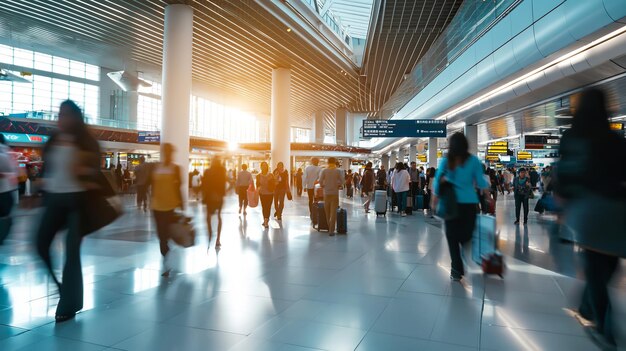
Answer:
(421, 157)
(539, 142)
(19, 138)
(524, 156)
(149, 137)
(617, 126)
(498, 148)
(404, 128)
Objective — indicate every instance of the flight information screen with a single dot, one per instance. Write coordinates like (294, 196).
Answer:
(404, 128)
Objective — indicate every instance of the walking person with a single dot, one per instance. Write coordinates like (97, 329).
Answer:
(311, 176)
(349, 181)
(8, 186)
(465, 172)
(367, 186)
(72, 159)
(415, 188)
(298, 179)
(265, 185)
(243, 182)
(494, 182)
(401, 184)
(165, 186)
(142, 173)
(214, 186)
(196, 184)
(594, 206)
(281, 175)
(430, 183)
(521, 192)
(331, 180)
(381, 179)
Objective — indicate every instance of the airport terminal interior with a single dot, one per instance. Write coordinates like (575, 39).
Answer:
(286, 175)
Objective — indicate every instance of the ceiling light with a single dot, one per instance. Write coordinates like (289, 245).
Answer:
(288, 29)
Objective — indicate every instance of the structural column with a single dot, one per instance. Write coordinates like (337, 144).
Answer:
(318, 130)
(176, 75)
(432, 152)
(345, 163)
(279, 120)
(384, 160)
(412, 153)
(401, 155)
(471, 133)
(394, 159)
(341, 120)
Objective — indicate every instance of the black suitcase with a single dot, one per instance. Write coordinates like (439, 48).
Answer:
(322, 222)
(314, 214)
(342, 221)
(409, 205)
(394, 200)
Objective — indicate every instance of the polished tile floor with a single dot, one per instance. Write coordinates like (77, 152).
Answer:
(384, 286)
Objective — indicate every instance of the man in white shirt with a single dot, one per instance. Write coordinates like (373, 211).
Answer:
(8, 185)
(311, 176)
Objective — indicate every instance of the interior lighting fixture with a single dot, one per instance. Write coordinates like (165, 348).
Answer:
(288, 30)
(511, 83)
(232, 146)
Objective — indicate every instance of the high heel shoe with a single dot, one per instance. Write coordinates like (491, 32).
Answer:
(60, 318)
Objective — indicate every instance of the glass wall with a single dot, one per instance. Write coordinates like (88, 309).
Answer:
(52, 83)
(149, 107)
(212, 120)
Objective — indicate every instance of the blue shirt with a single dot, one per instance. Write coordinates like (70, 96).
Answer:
(466, 178)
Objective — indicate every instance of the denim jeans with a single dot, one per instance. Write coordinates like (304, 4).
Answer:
(401, 196)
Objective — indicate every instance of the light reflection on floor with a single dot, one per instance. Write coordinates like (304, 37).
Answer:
(383, 286)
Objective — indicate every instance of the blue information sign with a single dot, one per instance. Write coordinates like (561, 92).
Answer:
(25, 138)
(149, 137)
(404, 128)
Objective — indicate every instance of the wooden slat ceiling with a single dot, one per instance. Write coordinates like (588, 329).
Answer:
(236, 45)
(405, 30)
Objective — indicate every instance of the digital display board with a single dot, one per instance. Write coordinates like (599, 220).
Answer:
(149, 137)
(524, 155)
(617, 126)
(404, 128)
(422, 158)
(539, 142)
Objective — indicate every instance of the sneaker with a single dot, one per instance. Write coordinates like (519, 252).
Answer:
(331, 234)
(403, 214)
(239, 210)
(516, 222)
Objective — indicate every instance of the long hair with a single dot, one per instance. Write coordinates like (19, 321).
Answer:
(591, 118)
(457, 150)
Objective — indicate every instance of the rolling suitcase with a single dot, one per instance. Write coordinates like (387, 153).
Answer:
(380, 202)
(342, 221)
(484, 250)
(419, 202)
(319, 192)
(322, 222)
(350, 192)
(409, 205)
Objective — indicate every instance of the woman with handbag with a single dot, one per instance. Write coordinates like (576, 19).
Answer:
(281, 175)
(594, 206)
(213, 192)
(165, 182)
(72, 168)
(266, 184)
(455, 197)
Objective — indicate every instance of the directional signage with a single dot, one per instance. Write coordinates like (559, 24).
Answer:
(149, 137)
(404, 128)
(25, 138)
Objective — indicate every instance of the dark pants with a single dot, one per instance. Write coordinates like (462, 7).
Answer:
(279, 201)
(311, 194)
(299, 189)
(64, 210)
(519, 201)
(242, 191)
(163, 220)
(459, 232)
(596, 304)
(266, 204)
(6, 206)
(142, 196)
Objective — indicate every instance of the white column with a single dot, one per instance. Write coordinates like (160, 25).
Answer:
(412, 153)
(432, 152)
(341, 116)
(133, 100)
(471, 133)
(394, 159)
(345, 163)
(176, 75)
(385, 161)
(401, 155)
(279, 120)
(318, 131)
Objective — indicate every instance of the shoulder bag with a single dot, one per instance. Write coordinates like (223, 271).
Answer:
(447, 207)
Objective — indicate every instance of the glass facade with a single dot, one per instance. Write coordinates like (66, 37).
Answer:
(51, 84)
